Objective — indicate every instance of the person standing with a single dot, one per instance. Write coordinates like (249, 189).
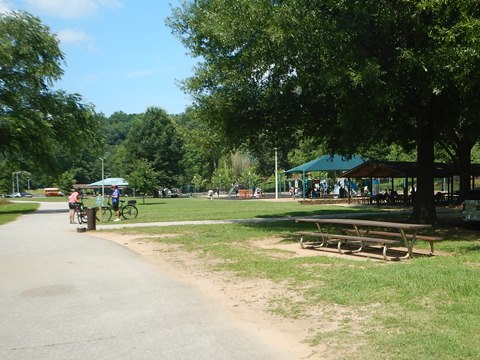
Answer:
(73, 202)
(116, 201)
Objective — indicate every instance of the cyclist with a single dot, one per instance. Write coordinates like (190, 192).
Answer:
(115, 201)
(73, 201)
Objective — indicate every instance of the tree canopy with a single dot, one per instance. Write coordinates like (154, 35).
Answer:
(34, 118)
(154, 138)
(350, 74)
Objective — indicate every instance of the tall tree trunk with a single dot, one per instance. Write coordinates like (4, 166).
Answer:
(424, 204)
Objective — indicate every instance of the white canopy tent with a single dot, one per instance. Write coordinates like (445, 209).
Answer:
(110, 182)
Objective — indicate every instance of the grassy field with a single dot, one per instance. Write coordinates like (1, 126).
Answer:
(200, 208)
(180, 209)
(423, 308)
(10, 211)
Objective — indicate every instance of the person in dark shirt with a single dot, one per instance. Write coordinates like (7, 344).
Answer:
(116, 202)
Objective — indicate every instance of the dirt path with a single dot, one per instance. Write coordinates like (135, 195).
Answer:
(244, 301)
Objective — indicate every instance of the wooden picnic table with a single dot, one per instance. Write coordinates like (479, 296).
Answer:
(364, 233)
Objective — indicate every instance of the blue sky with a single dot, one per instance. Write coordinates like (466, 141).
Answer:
(119, 54)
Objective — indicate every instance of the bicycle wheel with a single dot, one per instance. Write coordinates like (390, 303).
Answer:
(106, 214)
(129, 212)
(81, 217)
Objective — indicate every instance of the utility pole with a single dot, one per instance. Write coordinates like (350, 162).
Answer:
(103, 177)
(276, 174)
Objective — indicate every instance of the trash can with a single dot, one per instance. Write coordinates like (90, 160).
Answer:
(91, 221)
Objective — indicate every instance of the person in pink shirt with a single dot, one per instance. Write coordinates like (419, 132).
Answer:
(73, 201)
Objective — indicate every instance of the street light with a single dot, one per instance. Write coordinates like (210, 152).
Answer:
(219, 184)
(194, 185)
(103, 187)
(276, 174)
(15, 175)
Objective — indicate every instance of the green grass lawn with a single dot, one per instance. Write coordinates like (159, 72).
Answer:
(421, 308)
(179, 209)
(10, 211)
(200, 208)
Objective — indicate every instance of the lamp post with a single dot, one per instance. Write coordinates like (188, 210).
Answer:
(28, 178)
(103, 186)
(194, 185)
(15, 176)
(276, 174)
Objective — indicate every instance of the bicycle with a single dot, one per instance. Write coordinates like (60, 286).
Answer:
(128, 211)
(82, 216)
(104, 214)
(81, 213)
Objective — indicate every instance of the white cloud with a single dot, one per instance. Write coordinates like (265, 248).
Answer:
(71, 8)
(69, 36)
(140, 73)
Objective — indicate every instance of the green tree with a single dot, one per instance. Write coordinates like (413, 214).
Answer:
(116, 126)
(66, 182)
(34, 119)
(154, 138)
(350, 74)
(203, 146)
(143, 178)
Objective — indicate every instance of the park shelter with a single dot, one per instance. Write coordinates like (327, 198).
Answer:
(333, 162)
(110, 182)
(328, 163)
(120, 182)
(396, 169)
(403, 169)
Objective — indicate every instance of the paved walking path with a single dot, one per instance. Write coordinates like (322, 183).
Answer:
(69, 295)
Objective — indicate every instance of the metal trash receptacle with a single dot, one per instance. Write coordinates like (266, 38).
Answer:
(91, 220)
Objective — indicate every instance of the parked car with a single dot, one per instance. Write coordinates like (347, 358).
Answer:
(19, 195)
(471, 207)
(172, 193)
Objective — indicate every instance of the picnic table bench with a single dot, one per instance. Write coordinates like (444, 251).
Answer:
(364, 233)
(430, 239)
